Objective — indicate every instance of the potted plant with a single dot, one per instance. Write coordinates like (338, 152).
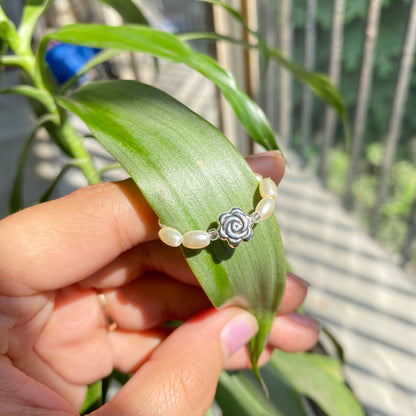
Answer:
(174, 155)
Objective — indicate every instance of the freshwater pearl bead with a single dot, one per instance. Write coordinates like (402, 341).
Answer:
(258, 176)
(196, 239)
(199, 239)
(268, 188)
(170, 236)
(265, 208)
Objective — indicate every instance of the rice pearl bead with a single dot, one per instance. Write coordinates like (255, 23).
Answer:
(265, 208)
(258, 176)
(267, 188)
(170, 236)
(196, 239)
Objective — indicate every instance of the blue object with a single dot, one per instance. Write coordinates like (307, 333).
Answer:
(66, 60)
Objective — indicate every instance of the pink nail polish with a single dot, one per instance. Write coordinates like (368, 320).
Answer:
(305, 320)
(238, 332)
(265, 155)
(303, 282)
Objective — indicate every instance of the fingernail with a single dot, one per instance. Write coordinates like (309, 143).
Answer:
(301, 281)
(238, 332)
(305, 320)
(268, 154)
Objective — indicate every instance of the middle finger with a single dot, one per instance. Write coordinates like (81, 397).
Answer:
(155, 298)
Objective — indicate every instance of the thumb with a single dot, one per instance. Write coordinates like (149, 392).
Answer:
(181, 376)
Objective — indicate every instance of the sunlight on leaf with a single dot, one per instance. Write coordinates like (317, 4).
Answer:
(167, 46)
(190, 173)
(320, 378)
(31, 13)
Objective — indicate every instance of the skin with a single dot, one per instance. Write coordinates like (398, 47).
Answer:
(54, 337)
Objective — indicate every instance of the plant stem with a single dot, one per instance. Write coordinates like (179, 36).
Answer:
(25, 59)
(80, 153)
(13, 60)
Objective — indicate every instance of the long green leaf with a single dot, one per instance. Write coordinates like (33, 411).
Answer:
(94, 398)
(236, 399)
(319, 83)
(127, 10)
(8, 32)
(190, 173)
(98, 59)
(210, 412)
(31, 12)
(320, 378)
(16, 196)
(31, 92)
(167, 46)
(239, 395)
(261, 42)
(16, 201)
(231, 10)
(48, 193)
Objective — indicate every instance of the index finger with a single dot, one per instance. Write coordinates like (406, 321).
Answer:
(62, 242)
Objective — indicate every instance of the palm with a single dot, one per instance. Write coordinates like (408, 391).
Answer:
(59, 337)
(56, 256)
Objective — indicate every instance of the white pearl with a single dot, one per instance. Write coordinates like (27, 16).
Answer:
(196, 239)
(258, 176)
(170, 236)
(265, 208)
(268, 188)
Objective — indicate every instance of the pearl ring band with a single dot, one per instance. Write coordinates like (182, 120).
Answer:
(234, 227)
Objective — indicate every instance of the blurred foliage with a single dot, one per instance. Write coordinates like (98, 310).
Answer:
(393, 24)
(396, 210)
(338, 168)
(402, 187)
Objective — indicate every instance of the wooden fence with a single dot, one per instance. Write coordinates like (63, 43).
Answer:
(274, 20)
(276, 24)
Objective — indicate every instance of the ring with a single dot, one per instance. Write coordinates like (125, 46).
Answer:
(112, 324)
(234, 226)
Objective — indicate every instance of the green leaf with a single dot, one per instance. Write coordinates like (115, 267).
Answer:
(335, 343)
(163, 45)
(231, 10)
(128, 11)
(31, 13)
(98, 59)
(16, 197)
(190, 173)
(283, 395)
(48, 193)
(261, 42)
(210, 412)
(9, 33)
(31, 92)
(94, 398)
(239, 395)
(320, 378)
(317, 82)
(236, 399)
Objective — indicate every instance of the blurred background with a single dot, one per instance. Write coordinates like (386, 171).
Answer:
(347, 210)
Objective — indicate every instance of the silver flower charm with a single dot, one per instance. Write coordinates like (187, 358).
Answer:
(235, 227)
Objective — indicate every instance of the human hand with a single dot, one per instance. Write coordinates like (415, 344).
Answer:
(54, 336)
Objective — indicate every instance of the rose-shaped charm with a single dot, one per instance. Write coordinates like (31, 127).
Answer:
(235, 227)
